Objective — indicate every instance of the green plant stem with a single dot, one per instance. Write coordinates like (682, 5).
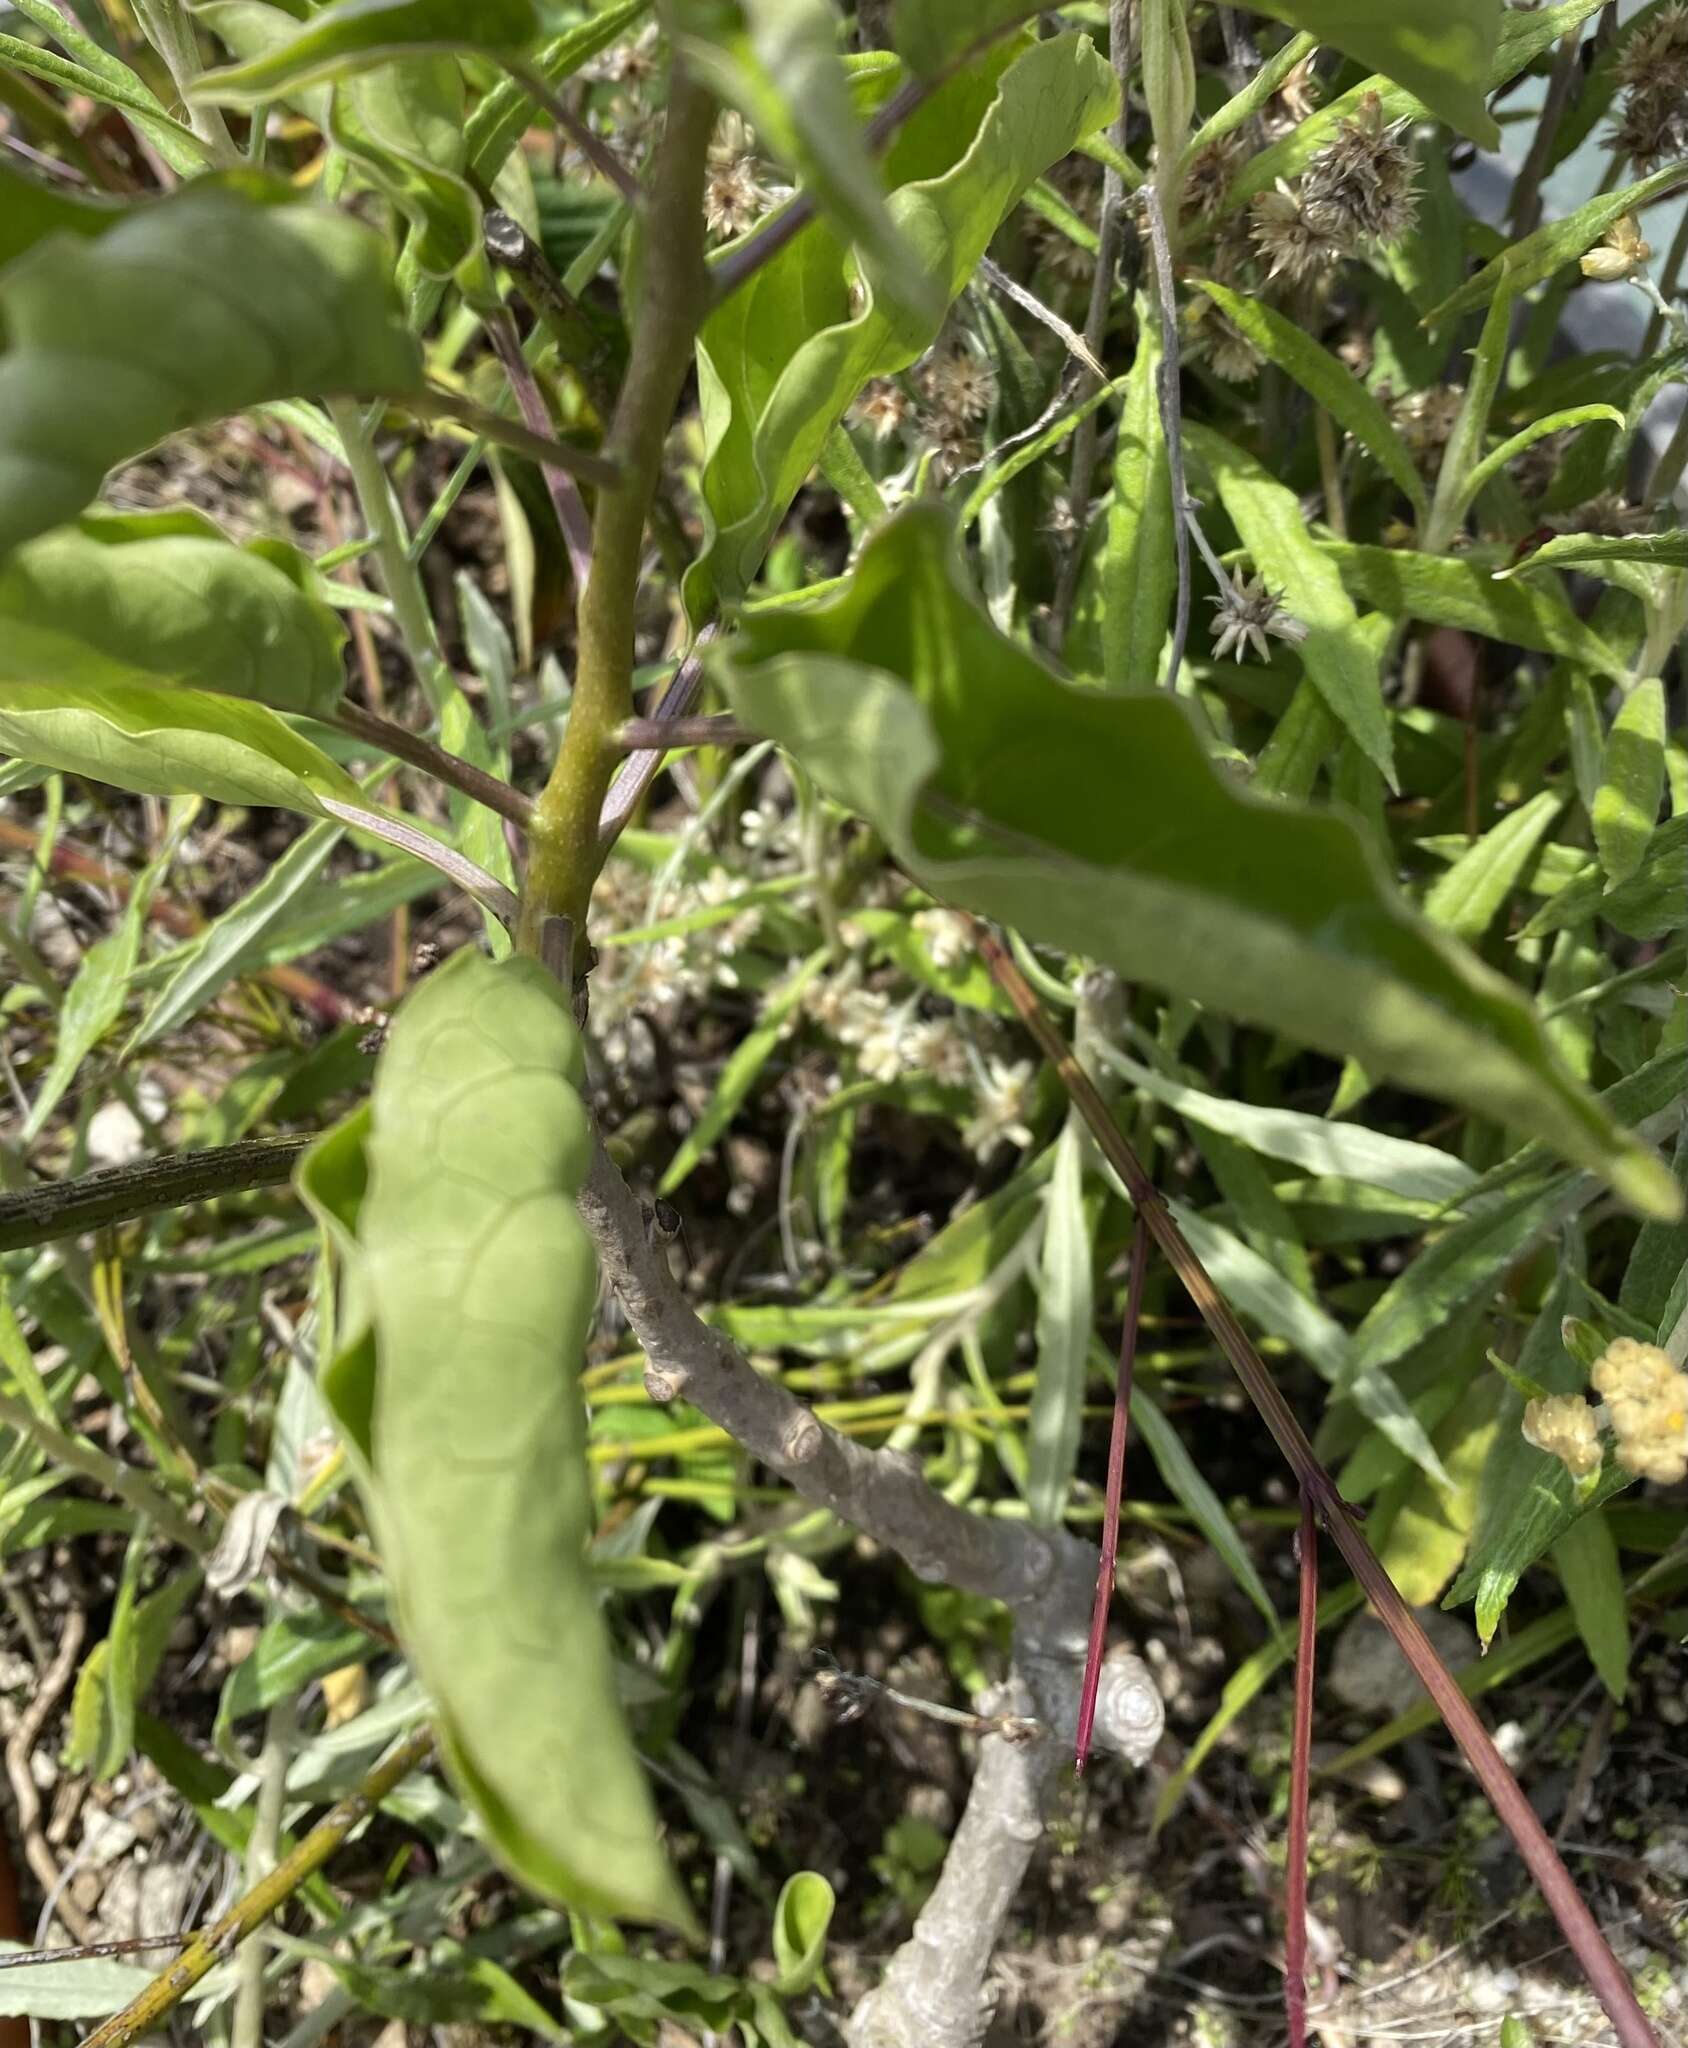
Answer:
(123, 1480)
(247, 2029)
(565, 853)
(172, 35)
(213, 1944)
(386, 529)
(67, 1208)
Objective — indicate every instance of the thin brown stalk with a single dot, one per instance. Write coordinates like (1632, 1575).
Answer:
(451, 769)
(1605, 1974)
(566, 500)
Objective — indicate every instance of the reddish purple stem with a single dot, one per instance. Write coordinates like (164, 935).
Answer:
(1111, 1504)
(1300, 1756)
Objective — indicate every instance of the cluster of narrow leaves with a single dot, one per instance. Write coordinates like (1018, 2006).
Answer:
(1375, 934)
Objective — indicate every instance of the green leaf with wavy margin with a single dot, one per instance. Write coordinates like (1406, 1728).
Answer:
(1449, 590)
(1439, 49)
(354, 35)
(162, 742)
(1097, 823)
(782, 359)
(228, 293)
(164, 598)
(483, 1286)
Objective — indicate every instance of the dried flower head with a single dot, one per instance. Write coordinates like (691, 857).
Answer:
(1620, 252)
(1296, 98)
(1245, 614)
(1425, 419)
(633, 63)
(1211, 170)
(1359, 187)
(1212, 337)
(1292, 246)
(735, 197)
(882, 407)
(1564, 1426)
(958, 384)
(1647, 1405)
(1652, 74)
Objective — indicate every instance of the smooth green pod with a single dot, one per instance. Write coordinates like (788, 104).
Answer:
(481, 1283)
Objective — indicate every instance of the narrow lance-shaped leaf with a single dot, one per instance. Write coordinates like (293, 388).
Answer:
(1439, 49)
(354, 35)
(1097, 823)
(1468, 897)
(1589, 550)
(1137, 573)
(483, 1286)
(187, 309)
(1632, 780)
(1341, 655)
(1326, 381)
(1510, 449)
(1066, 1311)
(161, 598)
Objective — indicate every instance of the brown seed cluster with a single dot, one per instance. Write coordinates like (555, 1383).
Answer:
(1652, 125)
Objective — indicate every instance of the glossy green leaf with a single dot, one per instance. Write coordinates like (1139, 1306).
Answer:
(1588, 550)
(1342, 655)
(483, 1286)
(1321, 1145)
(777, 63)
(170, 743)
(1326, 381)
(187, 309)
(163, 598)
(1066, 1316)
(783, 358)
(1525, 263)
(1097, 823)
(1440, 50)
(1647, 906)
(1137, 571)
(1468, 897)
(352, 35)
(802, 1915)
(1445, 590)
(1632, 781)
(1586, 1559)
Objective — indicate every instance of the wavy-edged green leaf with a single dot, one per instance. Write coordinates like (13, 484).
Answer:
(483, 1286)
(1066, 1311)
(1467, 898)
(1326, 381)
(1526, 262)
(1342, 655)
(1352, 1152)
(185, 310)
(1632, 780)
(1589, 550)
(353, 35)
(1441, 50)
(170, 743)
(161, 598)
(777, 63)
(1097, 822)
(783, 358)
(1445, 590)
(1524, 36)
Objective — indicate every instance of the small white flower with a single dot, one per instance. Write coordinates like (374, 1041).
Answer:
(1004, 1098)
(881, 1052)
(765, 828)
(937, 1048)
(949, 937)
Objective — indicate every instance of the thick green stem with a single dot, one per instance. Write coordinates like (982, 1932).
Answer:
(673, 297)
(171, 33)
(381, 515)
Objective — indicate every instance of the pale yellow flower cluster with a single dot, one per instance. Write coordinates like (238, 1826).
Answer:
(1646, 1406)
(1563, 1425)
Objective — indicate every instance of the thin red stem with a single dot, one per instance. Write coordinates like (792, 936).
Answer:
(1300, 1758)
(1111, 1504)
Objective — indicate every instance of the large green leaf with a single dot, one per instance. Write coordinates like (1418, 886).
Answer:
(483, 1286)
(781, 360)
(1097, 823)
(1441, 50)
(185, 310)
(353, 35)
(170, 743)
(1449, 590)
(30, 209)
(931, 35)
(165, 598)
